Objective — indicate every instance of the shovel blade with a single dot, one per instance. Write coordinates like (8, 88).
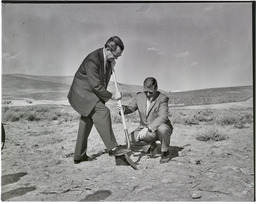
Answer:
(125, 160)
(132, 164)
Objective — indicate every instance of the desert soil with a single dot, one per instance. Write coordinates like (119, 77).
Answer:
(37, 165)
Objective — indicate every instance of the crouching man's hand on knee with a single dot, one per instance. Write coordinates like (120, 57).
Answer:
(142, 134)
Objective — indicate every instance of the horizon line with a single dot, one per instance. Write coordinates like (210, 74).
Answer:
(174, 91)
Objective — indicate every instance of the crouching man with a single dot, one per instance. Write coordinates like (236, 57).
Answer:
(154, 122)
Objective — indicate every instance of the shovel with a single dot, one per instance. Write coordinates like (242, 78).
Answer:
(126, 158)
(122, 115)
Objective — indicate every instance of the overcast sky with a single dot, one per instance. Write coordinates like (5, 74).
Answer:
(185, 46)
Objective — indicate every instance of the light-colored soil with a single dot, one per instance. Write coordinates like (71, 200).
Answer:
(32, 102)
(37, 165)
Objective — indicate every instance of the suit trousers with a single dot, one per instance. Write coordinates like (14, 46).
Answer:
(101, 118)
(163, 134)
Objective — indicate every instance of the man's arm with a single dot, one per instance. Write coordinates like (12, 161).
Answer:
(93, 75)
(131, 107)
(162, 115)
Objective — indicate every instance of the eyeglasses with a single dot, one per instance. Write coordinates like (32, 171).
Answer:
(115, 55)
(148, 92)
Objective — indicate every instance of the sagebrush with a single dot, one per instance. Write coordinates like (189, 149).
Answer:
(238, 118)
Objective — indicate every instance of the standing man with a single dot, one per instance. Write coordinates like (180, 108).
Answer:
(88, 95)
(154, 122)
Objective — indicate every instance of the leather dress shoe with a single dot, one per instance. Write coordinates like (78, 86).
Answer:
(152, 148)
(165, 157)
(84, 158)
(118, 152)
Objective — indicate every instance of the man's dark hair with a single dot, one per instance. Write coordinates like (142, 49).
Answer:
(113, 42)
(150, 82)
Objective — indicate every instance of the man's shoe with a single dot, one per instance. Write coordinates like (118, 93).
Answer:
(165, 157)
(85, 158)
(152, 148)
(118, 152)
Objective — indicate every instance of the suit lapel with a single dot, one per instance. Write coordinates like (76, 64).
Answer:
(102, 65)
(142, 103)
(108, 72)
(152, 104)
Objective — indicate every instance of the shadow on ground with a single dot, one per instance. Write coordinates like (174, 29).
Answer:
(140, 151)
(12, 178)
(16, 192)
(98, 195)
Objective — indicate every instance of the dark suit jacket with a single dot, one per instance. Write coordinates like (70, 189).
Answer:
(90, 83)
(157, 113)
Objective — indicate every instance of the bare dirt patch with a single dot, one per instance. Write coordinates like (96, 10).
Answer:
(37, 162)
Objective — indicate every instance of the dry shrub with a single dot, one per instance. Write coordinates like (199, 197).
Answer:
(185, 117)
(7, 102)
(32, 116)
(212, 134)
(29, 101)
(70, 117)
(238, 119)
(36, 113)
(243, 121)
(133, 117)
(191, 121)
(116, 117)
(240, 125)
(176, 118)
(227, 119)
(12, 116)
(42, 109)
(247, 118)
(205, 115)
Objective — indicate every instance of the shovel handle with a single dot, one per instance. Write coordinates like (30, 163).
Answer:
(122, 114)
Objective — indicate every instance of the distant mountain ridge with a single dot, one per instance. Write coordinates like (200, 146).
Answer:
(20, 86)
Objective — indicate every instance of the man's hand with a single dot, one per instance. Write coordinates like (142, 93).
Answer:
(116, 96)
(113, 63)
(118, 106)
(142, 133)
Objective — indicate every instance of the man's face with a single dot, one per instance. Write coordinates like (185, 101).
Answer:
(150, 92)
(113, 55)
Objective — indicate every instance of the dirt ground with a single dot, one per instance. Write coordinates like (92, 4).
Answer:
(37, 165)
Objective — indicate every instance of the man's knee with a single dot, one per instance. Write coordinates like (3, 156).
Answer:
(164, 129)
(150, 137)
(100, 110)
(106, 112)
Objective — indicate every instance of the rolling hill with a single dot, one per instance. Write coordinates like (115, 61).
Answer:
(211, 96)
(20, 86)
